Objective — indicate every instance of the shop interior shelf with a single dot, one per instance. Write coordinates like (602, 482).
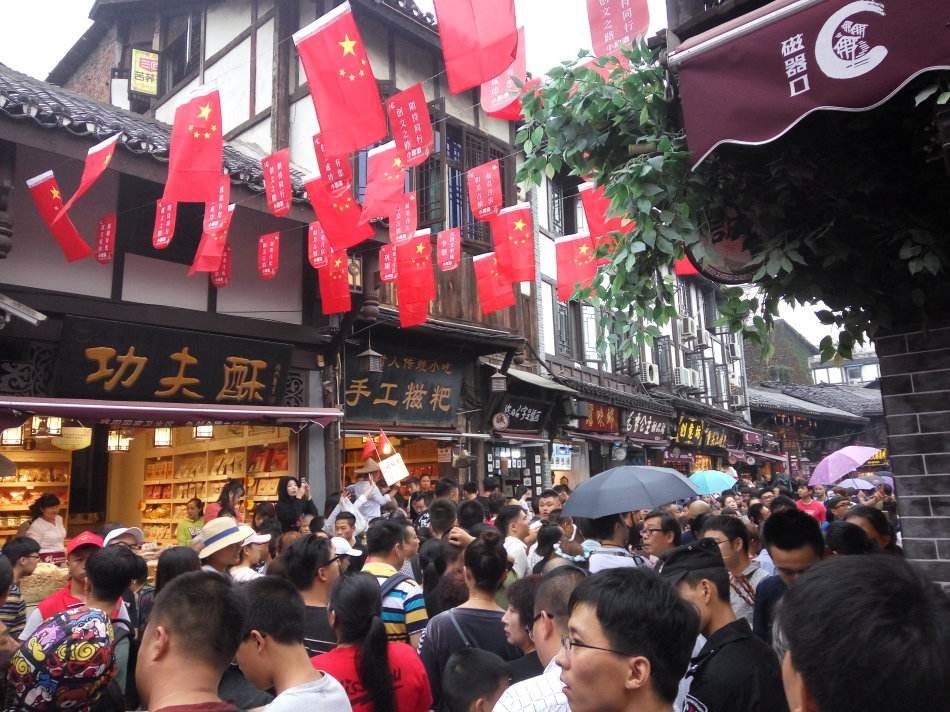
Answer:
(158, 501)
(159, 521)
(20, 485)
(268, 474)
(264, 498)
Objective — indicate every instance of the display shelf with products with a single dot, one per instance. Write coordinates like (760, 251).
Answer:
(420, 456)
(38, 471)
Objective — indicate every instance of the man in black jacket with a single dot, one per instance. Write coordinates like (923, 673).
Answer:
(734, 670)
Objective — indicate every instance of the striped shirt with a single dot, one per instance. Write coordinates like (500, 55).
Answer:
(404, 608)
(13, 612)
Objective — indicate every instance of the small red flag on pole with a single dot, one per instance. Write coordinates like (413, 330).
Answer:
(97, 160)
(277, 182)
(479, 40)
(414, 267)
(194, 159)
(49, 202)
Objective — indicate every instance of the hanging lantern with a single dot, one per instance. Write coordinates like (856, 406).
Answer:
(46, 427)
(204, 432)
(162, 437)
(119, 441)
(12, 436)
(370, 361)
(499, 382)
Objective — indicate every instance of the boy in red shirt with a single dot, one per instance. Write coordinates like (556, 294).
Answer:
(806, 503)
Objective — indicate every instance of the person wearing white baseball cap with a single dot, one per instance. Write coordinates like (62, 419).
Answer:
(341, 547)
(252, 551)
(222, 539)
(131, 537)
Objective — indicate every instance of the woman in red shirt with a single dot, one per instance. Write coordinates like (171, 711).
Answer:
(378, 676)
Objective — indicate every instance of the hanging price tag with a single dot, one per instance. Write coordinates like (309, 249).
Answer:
(105, 239)
(449, 249)
(268, 255)
(164, 224)
(277, 184)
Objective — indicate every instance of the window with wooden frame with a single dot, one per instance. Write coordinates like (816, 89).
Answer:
(181, 49)
(563, 205)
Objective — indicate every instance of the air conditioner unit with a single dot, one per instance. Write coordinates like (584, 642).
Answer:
(733, 351)
(650, 374)
(694, 379)
(682, 377)
(688, 327)
(736, 402)
(703, 339)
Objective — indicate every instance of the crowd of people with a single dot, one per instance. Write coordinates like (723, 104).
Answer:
(436, 596)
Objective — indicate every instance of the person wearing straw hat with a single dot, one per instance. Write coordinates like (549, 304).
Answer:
(373, 499)
(221, 540)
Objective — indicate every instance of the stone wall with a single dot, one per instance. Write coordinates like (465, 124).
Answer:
(915, 383)
(94, 76)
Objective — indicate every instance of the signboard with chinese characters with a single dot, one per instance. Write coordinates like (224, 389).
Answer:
(646, 426)
(144, 77)
(412, 390)
(715, 437)
(122, 361)
(689, 431)
(524, 414)
(879, 459)
(751, 440)
(602, 419)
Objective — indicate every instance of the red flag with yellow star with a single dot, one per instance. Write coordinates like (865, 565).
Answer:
(513, 237)
(596, 208)
(194, 159)
(212, 245)
(501, 96)
(338, 213)
(494, 288)
(385, 181)
(416, 279)
(335, 285)
(97, 160)
(342, 85)
(479, 40)
(413, 314)
(576, 266)
(49, 202)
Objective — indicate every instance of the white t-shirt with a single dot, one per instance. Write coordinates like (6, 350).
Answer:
(243, 574)
(519, 555)
(51, 537)
(323, 694)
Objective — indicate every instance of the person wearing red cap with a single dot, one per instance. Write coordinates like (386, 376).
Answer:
(72, 594)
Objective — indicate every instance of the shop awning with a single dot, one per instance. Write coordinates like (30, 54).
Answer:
(429, 434)
(750, 80)
(768, 456)
(598, 437)
(140, 413)
(539, 381)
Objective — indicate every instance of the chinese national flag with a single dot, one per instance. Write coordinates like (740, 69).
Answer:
(513, 237)
(596, 206)
(211, 247)
(479, 40)
(49, 203)
(494, 288)
(385, 182)
(616, 23)
(277, 185)
(338, 213)
(412, 314)
(501, 97)
(485, 190)
(341, 80)
(410, 124)
(416, 281)
(164, 230)
(684, 267)
(105, 239)
(576, 266)
(335, 285)
(194, 159)
(97, 160)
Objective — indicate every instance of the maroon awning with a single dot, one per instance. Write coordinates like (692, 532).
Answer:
(750, 80)
(140, 413)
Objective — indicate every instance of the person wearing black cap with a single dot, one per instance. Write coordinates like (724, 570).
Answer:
(734, 670)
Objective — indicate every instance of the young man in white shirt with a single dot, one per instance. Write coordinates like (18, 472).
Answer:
(272, 654)
(744, 574)
(512, 521)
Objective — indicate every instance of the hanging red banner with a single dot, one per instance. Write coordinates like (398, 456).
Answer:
(387, 263)
(222, 277)
(49, 202)
(335, 285)
(412, 313)
(479, 39)
(501, 96)
(336, 170)
(318, 247)
(164, 230)
(105, 239)
(410, 124)
(616, 23)
(339, 214)
(596, 208)
(268, 255)
(211, 247)
(97, 160)
(513, 237)
(216, 211)
(576, 267)
(405, 220)
(414, 260)
(196, 151)
(385, 182)
(494, 289)
(277, 182)
(449, 249)
(485, 190)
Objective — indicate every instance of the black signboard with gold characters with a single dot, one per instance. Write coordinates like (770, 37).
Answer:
(413, 389)
(120, 361)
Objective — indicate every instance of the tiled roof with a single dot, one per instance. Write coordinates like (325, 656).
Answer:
(408, 7)
(856, 400)
(774, 400)
(615, 397)
(51, 107)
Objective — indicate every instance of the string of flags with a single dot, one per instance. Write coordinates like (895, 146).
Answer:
(483, 47)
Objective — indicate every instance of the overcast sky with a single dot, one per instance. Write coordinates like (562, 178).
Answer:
(554, 30)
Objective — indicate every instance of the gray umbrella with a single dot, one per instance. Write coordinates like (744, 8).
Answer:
(627, 489)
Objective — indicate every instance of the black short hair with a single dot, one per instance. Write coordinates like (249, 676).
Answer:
(562, 489)
(490, 484)
(471, 674)
(521, 598)
(470, 487)
(732, 527)
(668, 523)
(506, 516)
(442, 514)
(549, 493)
(878, 521)
(346, 517)
(470, 513)
(20, 546)
(891, 613)
(755, 512)
(6, 577)
(173, 562)
(554, 593)
(383, 535)
(847, 539)
(273, 608)
(782, 502)
(204, 613)
(140, 570)
(601, 527)
(110, 571)
(643, 615)
(792, 529)
(301, 560)
(444, 487)
(496, 502)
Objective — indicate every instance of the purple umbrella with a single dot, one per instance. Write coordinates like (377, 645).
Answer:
(840, 463)
(879, 478)
(855, 483)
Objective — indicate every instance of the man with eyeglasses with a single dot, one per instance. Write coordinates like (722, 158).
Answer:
(733, 670)
(628, 644)
(543, 693)
(661, 532)
(23, 553)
